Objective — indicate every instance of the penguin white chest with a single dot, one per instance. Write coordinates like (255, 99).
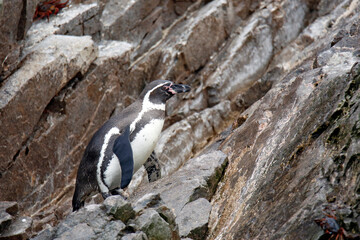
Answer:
(145, 141)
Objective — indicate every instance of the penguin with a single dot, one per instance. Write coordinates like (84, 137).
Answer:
(124, 143)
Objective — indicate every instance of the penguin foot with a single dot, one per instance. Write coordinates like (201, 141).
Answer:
(119, 191)
(106, 195)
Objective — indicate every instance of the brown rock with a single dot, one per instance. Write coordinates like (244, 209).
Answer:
(24, 99)
(291, 153)
(8, 36)
(86, 103)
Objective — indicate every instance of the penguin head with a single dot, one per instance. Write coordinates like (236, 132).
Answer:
(162, 90)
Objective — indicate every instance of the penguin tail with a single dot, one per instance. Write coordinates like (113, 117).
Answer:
(76, 201)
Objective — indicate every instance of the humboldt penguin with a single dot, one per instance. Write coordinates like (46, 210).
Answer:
(124, 143)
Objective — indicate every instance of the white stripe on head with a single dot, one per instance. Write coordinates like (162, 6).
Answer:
(108, 135)
(147, 106)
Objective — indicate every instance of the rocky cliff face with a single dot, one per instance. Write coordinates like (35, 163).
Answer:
(275, 100)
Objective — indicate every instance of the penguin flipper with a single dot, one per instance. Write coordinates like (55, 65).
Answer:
(123, 151)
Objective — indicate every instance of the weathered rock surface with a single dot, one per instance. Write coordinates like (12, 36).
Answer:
(11, 225)
(290, 154)
(297, 152)
(60, 63)
(15, 20)
(194, 219)
(101, 221)
(188, 192)
(119, 208)
(78, 20)
(20, 228)
(7, 212)
(190, 135)
(153, 214)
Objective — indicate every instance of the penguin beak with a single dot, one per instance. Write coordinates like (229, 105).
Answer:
(179, 88)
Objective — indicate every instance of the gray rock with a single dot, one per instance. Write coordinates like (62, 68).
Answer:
(189, 135)
(169, 216)
(135, 236)
(13, 227)
(19, 229)
(193, 219)
(119, 208)
(11, 208)
(112, 230)
(154, 201)
(98, 221)
(48, 233)
(92, 215)
(81, 231)
(149, 200)
(197, 179)
(154, 226)
(226, 81)
(5, 221)
(118, 22)
(70, 21)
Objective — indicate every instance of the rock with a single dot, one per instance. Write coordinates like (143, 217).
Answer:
(11, 225)
(92, 215)
(112, 230)
(11, 208)
(118, 19)
(8, 211)
(155, 227)
(154, 201)
(95, 92)
(193, 219)
(257, 90)
(208, 23)
(119, 208)
(77, 20)
(46, 234)
(118, 23)
(15, 21)
(96, 221)
(288, 159)
(227, 82)
(91, 222)
(197, 179)
(19, 229)
(169, 216)
(184, 140)
(181, 55)
(49, 59)
(80, 231)
(149, 200)
(135, 236)
(290, 65)
(5, 221)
